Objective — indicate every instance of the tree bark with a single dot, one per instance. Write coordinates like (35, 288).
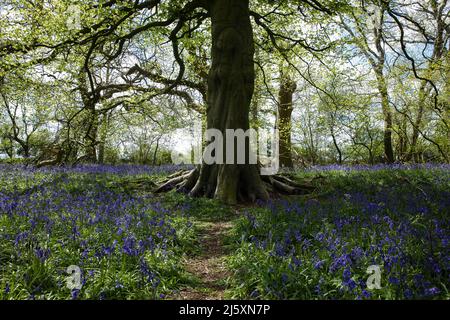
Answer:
(412, 155)
(424, 90)
(285, 108)
(91, 134)
(155, 153)
(387, 139)
(103, 136)
(401, 122)
(90, 121)
(336, 145)
(230, 89)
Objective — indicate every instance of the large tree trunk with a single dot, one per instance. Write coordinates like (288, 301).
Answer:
(89, 123)
(230, 89)
(285, 108)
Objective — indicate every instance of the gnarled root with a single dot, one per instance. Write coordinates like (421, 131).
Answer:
(183, 180)
(195, 184)
(283, 185)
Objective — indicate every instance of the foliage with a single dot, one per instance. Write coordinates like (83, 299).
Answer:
(131, 244)
(321, 247)
(127, 245)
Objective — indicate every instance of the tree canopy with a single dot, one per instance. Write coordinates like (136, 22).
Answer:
(109, 81)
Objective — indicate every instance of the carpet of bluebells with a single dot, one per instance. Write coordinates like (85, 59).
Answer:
(127, 245)
(320, 247)
(130, 243)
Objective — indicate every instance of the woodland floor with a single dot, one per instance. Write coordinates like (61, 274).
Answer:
(172, 246)
(208, 266)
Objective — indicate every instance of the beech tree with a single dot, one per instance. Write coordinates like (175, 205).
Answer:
(230, 90)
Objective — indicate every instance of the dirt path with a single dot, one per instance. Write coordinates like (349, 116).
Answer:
(208, 267)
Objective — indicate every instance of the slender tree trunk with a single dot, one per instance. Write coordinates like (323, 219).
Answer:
(412, 155)
(401, 122)
(9, 149)
(26, 151)
(424, 90)
(24, 144)
(285, 108)
(336, 145)
(312, 146)
(371, 158)
(101, 153)
(155, 153)
(446, 104)
(230, 89)
(103, 136)
(387, 140)
(91, 134)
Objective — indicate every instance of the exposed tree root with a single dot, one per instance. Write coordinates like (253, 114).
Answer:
(47, 163)
(185, 181)
(283, 185)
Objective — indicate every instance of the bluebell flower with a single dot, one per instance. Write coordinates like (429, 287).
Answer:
(297, 235)
(279, 249)
(42, 254)
(254, 294)
(155, 282)
(366, 294)
(145, 270)
(319, 264)
(317, 289)
(340, 262)
(74, 294)
(297, 262)
(394, 280)
(418, 279)
(347, 274)
(432, 291)
(129, 246)
(21, 236)
(350, 283)
(408, 293)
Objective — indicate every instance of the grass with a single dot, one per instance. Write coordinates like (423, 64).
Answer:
(320, 247)
(127, 246)
(131, 244)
